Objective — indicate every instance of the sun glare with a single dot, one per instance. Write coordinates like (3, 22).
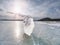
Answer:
(19, 6)
(16, 7)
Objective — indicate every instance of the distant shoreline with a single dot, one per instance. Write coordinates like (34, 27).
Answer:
(48, 19)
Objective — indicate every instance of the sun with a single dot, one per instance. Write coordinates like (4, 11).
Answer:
(16, 7)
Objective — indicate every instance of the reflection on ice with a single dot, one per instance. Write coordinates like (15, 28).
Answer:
(17, 29)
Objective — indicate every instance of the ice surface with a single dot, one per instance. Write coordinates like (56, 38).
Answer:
(44, 33)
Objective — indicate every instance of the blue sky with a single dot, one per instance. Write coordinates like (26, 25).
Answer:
(35, 8)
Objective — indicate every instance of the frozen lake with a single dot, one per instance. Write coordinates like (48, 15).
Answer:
(45, 33)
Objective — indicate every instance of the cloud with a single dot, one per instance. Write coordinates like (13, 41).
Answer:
(14, 5)
(35, 8)
(43, 8)
(54, 10)
(1, 9)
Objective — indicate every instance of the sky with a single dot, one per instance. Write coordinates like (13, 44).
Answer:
(34, 8)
